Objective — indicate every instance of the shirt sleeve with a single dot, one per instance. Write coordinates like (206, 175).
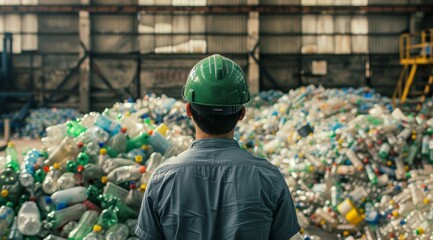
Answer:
(285, 224)
(148, 225)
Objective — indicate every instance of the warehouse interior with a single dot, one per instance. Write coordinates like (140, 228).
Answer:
(90, 56)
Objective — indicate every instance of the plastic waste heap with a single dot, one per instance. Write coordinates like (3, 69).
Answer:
(356, 167)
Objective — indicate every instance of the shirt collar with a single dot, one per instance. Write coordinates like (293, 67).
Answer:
(215, 143)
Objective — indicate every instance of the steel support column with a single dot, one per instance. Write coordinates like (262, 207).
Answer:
(253, 39)
(84, 75)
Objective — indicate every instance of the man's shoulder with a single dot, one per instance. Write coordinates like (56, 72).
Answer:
(185, 159)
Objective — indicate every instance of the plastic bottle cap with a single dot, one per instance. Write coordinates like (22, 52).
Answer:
(150, 132)
(138, 158)
(46, 169)
(346, 233)
(4, 193)
(144, 147)
(11, 144)
(142, 169)
(162, 129)
(143, 187)
(395, 213)
(80, 144)
(123, 130)
(102, 151)
(10, 204)
(97, 228)
(61, 206)
(426, 201)
(56, 166)
(48, 200)
(353, 217)
(104, 179)
(132, 186)
(80, 168)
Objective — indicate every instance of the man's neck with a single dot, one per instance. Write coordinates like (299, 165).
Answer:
(199, 134)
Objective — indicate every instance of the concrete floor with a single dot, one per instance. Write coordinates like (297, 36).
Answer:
(23, 144)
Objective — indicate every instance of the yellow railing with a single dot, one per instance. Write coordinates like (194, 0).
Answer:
(417, 48)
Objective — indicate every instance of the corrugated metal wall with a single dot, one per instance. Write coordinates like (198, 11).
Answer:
(173, 42)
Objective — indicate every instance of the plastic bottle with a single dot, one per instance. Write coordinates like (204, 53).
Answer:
(98, 134)
(108, 124)
(354, 160)
(66, 150)
(67, 228)
(7, 215)
(58, 218)
(117, 232)
(115, 163)
(102, 157)
(8, 176)
(84, 227)
(29, 219)
(49, 185)
(45, 205)
(108, 218)
(74, 128)
(137, 142)
(118, 142)
(93, 171)
(126, 173)
(14, 233)
(158, 141)
(70, 195)
(155, 160)
(12, 160)
(96, 234)
(53, 237)
(134, 197)
(66, 181)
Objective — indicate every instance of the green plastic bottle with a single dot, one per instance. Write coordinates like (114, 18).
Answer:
(12, 157)
(74, 128)
(137, 142)
(84, 227)
(83, 158)
(108, 217)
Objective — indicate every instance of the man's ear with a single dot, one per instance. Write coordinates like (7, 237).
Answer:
(243, 110)
(188, 109)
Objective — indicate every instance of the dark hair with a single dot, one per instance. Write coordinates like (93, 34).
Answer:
(215, 124)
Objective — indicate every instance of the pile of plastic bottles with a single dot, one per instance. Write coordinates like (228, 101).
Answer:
(89, 180)
(355, 166)
(39, 119)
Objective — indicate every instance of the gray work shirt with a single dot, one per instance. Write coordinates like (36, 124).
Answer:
(216, 190)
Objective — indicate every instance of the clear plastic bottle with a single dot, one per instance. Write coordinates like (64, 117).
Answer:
(133, 199)
(14, 233)
(115, 163)
(96, 234)
(54, 237)
(66, 150)
(155, 160)
(49, 185)
(7, 215)
(66, 180)
(29, 219)
(117, 232)
(102, 157)
(70, 195)
(84, 226)
(118, 142)
(12, 157)
(126, 173)
(158, 141)
(108, 124)
(59, 218)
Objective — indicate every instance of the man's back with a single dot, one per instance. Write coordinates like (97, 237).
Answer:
(215, 190)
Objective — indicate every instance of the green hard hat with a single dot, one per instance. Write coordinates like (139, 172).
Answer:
(216, 85)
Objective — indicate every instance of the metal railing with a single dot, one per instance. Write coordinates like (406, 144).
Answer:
(416, 48)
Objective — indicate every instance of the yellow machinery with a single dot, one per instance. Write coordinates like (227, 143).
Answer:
(415, 50)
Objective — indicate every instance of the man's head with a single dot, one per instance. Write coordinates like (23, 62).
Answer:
(216, 90)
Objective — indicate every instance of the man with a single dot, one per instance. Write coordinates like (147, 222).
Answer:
(215, 189)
